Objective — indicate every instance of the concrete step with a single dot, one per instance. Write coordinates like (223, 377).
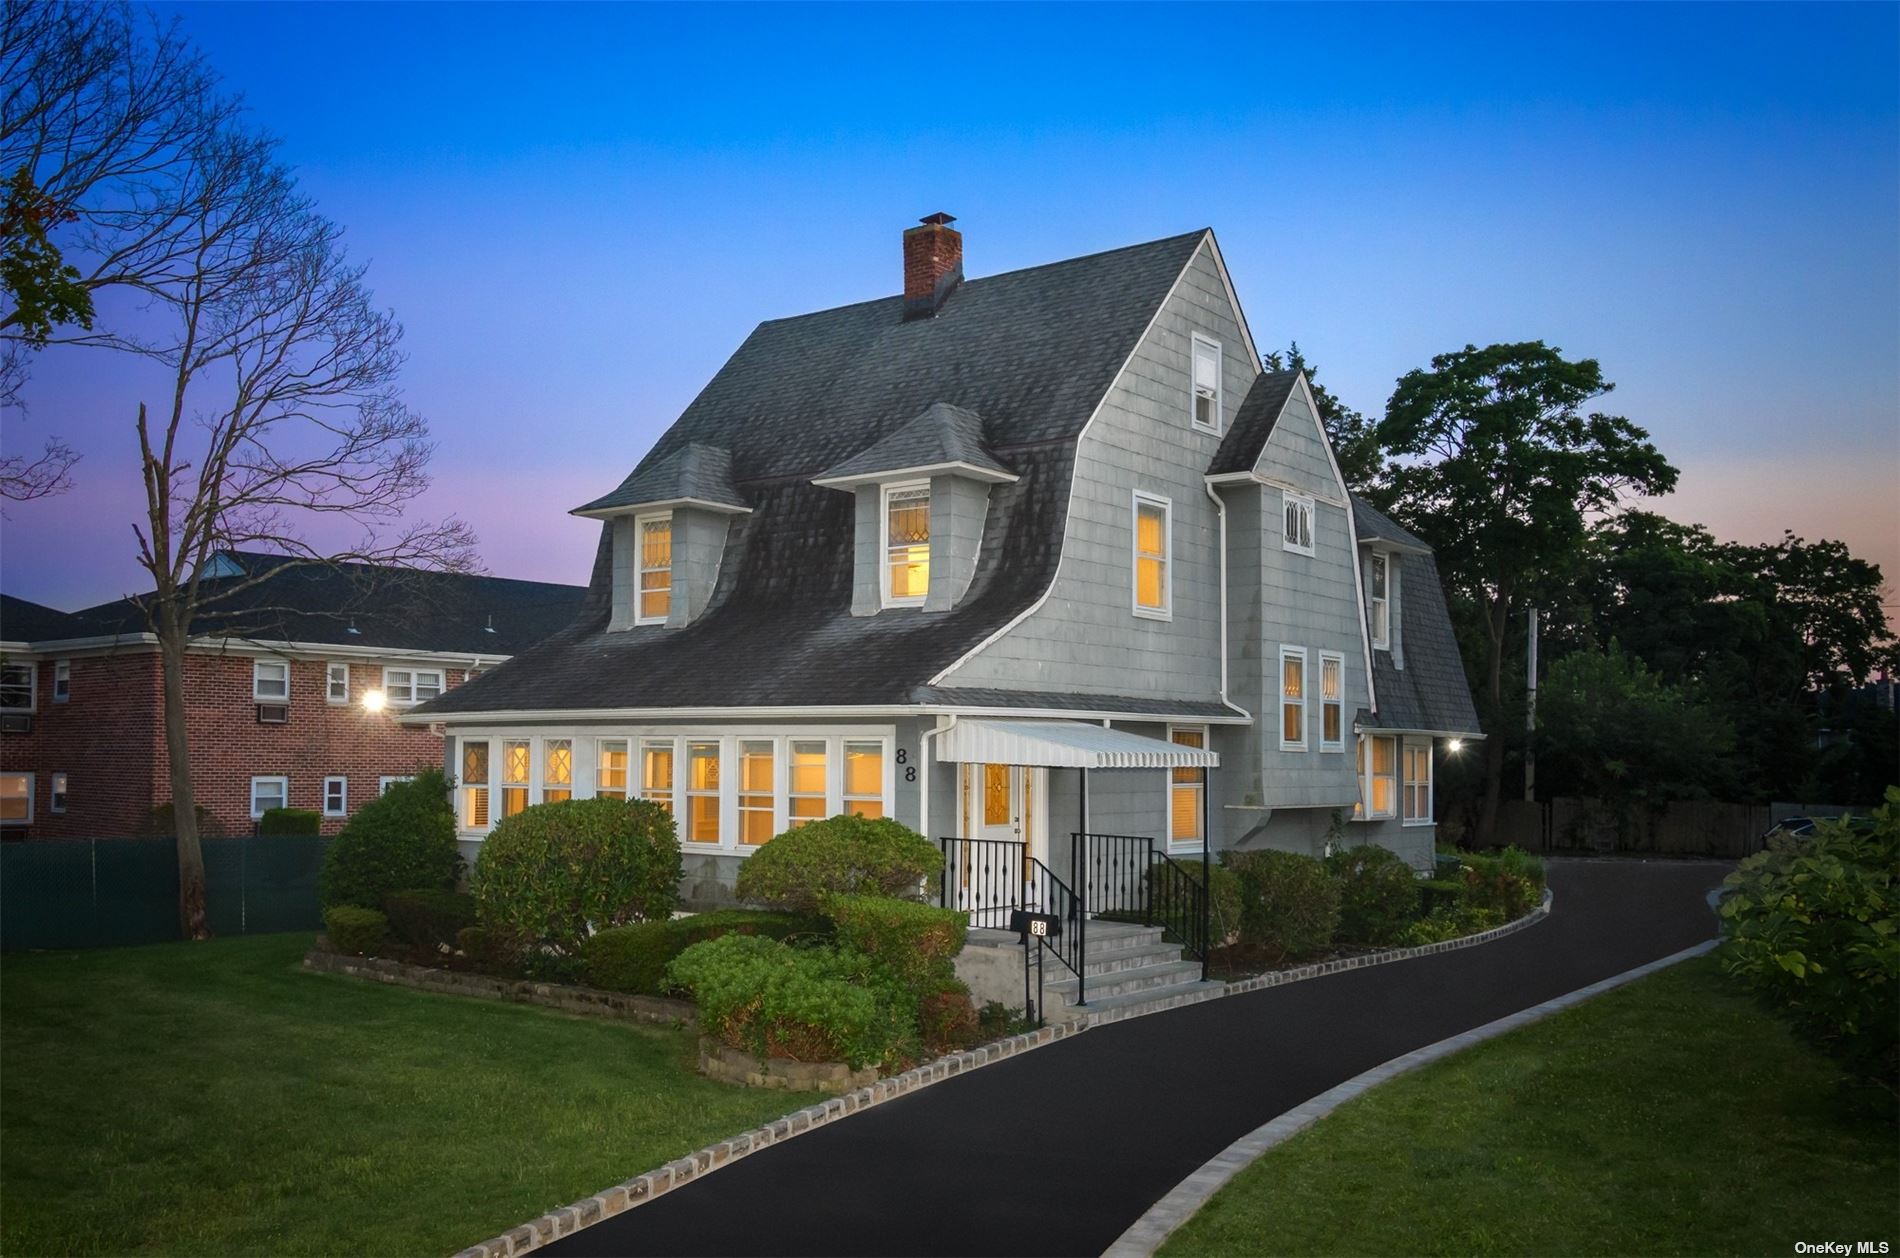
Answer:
(1131, 958)
(1122, 982)
(1146, 996)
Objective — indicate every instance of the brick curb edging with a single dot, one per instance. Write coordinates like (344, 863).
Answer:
(1152, 1229)
(643, 1188)
(568, 999)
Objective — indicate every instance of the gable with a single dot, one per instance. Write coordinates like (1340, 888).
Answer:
(1295, 454)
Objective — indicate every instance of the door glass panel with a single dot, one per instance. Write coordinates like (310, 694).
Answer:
(995, 794)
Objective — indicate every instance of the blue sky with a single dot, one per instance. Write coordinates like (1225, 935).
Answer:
(578, 213)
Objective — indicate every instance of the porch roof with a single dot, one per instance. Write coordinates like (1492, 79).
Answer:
(1065, 745)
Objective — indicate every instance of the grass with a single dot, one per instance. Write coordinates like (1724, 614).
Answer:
(1671, 1116)
(215, 1098)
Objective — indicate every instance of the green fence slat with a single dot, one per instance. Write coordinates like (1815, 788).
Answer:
(138, 892)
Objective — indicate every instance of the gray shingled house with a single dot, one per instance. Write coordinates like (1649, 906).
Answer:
(1011, 559)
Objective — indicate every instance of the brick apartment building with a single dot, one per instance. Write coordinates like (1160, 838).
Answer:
(293, 693)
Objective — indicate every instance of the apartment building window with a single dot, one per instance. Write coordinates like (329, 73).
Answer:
(1418, 782)
(411, 685)
(656, 772)
(906, 544)
(18, 682)
(1292, 698)
(336, 797)
(1187, 789)
(610, 768)
(16, 799)
(336, 682)
(1332, 701)
(702, 792)
(270, 681)
(757, 764)
(62, 683)
(1206, 383)
(655, 587)
(56, 794)
(1154, 543)
(1380, 778)
(864, 778)
(557, 770)
(388, 780)
(515, 771)
(475, 784)
(1379, 604)
(268, 793)
(1299, 524)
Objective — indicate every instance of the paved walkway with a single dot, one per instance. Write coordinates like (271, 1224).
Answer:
(1059, 1150)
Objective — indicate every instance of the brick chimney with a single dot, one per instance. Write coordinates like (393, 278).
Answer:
(933, 265)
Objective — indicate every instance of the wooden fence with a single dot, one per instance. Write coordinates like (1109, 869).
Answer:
(1685, 828)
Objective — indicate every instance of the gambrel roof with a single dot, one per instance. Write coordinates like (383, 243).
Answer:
(943, 437)
(693, 474)
(1430, 692)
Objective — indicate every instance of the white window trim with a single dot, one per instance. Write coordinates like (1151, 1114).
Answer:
(885, 597)
(1407, 746)
(1338, 744)
(1188, 845)
(639, 566)
(31, 783)
(32, 668)
(389, 692)
(58, 786)
(388, 780)
(1381, 626)
(1140, 499)
(329, 677)
(343, 810)
(62, 680)
(462, 786)
(258, 813)
(1398, 777)
(1290, 500)
(258, 696)
(543, 785)
(1305, 700)
(1220, 365)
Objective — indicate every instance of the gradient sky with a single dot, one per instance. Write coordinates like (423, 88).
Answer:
(578, 213)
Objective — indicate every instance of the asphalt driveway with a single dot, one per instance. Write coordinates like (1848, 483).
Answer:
(1058, 1151)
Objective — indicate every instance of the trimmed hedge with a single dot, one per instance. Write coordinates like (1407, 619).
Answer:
(843, 855)
(634, 958)
(355, 931)
(402, 840)
(429, 919)
(1289, 907)
(1378, 894)
(1453, 922)
(288, 822)
(554, 873)
(916, 942)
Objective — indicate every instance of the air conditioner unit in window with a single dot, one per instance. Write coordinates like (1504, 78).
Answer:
(16, 723)
(273, 713)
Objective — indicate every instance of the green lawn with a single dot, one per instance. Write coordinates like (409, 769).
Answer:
(1671, 1116)
(215, 1099)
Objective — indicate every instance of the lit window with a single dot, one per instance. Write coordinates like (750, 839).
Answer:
(906, 544)
(336, 682)
(1152, 542)
(17, 683)
(610, 772)
(514, 777)
(656, 773)
(336, 797)
(557, 770)
(1332, 702)
(702, 792)
(1380, 606)
(56, 801)
(1206, 383)
(755, 791)
(1292, 698)
(269, 793)
(655, 587)
(1186, 791)
(270, 681)
(1382, 777)
(805, 783)
(1418, 782)
(864, 779)
(62, 686)
(1299, 524)
(475, 784)
(16, 799)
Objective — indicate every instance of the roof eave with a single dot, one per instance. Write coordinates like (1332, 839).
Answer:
(593, 512)
(969, 471)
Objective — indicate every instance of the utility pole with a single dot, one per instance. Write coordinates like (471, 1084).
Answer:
(1530, 715)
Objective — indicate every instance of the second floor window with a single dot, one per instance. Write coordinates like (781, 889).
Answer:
(62, 680)
(1332, 704)
(1206, 383)
(1299, 524)
(1379, 600)
(270, 681)
(655, 587)
(906, 544)
(1152, 546)
(16, 686)
(1292, 698)
(412, 685)
(336, 682)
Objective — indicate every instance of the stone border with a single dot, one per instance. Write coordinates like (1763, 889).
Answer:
(643, 1188)
(1153, 1228)
(584, 1000)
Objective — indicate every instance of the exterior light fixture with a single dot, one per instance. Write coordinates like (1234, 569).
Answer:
(1454, 745)
(374, 700)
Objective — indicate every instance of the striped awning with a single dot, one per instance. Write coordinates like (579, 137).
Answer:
(1065, 745)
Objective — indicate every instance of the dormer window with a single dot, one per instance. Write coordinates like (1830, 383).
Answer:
(1379, 605)
(654, 597)
(1206, 399)
(906, 544)
(1299, 524)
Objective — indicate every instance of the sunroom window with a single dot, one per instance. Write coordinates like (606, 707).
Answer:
(805, 787)
(514, 777)
(864, 779)
(656, 772)
(1418, 782)
(655, 590)
(756, 799)
(610, 770)
(475, 784)
(557, 770)
(906, 544)
(702, 792)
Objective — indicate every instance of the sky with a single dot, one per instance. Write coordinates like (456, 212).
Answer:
(579, 212)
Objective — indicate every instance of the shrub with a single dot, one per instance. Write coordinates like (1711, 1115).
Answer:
(554, 872)
(1288, 905)
(845, 855)
(490, 951)
(1814, 929)
(947, 1019)
(634, 958)
(915, 942)
(1378, 894)
(1510, 883)
(289, 822)
(1440, 893)
(1452, 922)
(355, 931)
(806, 1004)
(402, 840)
(429, 919)
(162, 823)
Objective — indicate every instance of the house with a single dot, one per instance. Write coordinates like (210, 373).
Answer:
(294, 690)
(1012, 559)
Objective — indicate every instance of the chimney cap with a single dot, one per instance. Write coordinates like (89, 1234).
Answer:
(939, 219)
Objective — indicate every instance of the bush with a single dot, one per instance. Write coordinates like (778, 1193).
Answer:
(1453, 922)
(1814, 929)
(162, 823)
(555, 872)
(403, 840)
(429, 919)
(1378, 894)
(288, 822)
(1289, 908)
(490, 951)
(634, 958)
(915, 942)
(805, 1004)
(1439, 893)
(947, 1018)
(355, 931)
(845, 855)
(1510, 883)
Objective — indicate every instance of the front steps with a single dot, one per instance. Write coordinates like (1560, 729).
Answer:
(1127, 965)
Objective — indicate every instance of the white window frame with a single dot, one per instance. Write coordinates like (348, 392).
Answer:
(885, 493)
(1338, 660)
(283, 782)
(833, 771)
(668, 796)
(629, 787)
(887, 766)
(640, 569)
(388, 780)
(407, 696)
(331, 675)
(32, 668)
(1379, 606)
(464, 789)
(1141, 498)
(1406, 781)
(56, 788)
(1370, 773)
(726, 796)
(257, 692)
(342, 808)
(28, 777)
(1202, 812)
(62, 681)
(1199, 342)
(542, 759)
(1303, 702)
(1291, 503)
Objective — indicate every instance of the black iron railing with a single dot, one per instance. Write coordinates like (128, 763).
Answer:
(1128, 876)
(990, 879)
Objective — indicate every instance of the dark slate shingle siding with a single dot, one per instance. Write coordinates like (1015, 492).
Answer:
(1430, 692)
(1253, 423)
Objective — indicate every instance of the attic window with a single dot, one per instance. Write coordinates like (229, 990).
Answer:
(654, 595)
(906, 544)
(1379, 607)
(1206, 383)
(1299, 524)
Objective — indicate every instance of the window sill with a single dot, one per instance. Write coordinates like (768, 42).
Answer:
(1151, 613)
(1332, 749)
(1308, 551)
(1419, 824)
(1292, 746)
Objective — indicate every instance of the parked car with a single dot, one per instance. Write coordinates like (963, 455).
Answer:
(1803, 827)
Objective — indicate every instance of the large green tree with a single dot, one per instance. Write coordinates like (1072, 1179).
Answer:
(1499, 465)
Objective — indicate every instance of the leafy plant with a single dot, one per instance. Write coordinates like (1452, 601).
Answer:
(400, 841)
(844, 855)
(1509, 883)
(554, 873)
(634, 958)
(1378, 894)
(915, 942)
(429, 919)
(1289, 907)
(1452, 922)
(355, 931)
(947, 1017)
(1440, 893)
(281, 822)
